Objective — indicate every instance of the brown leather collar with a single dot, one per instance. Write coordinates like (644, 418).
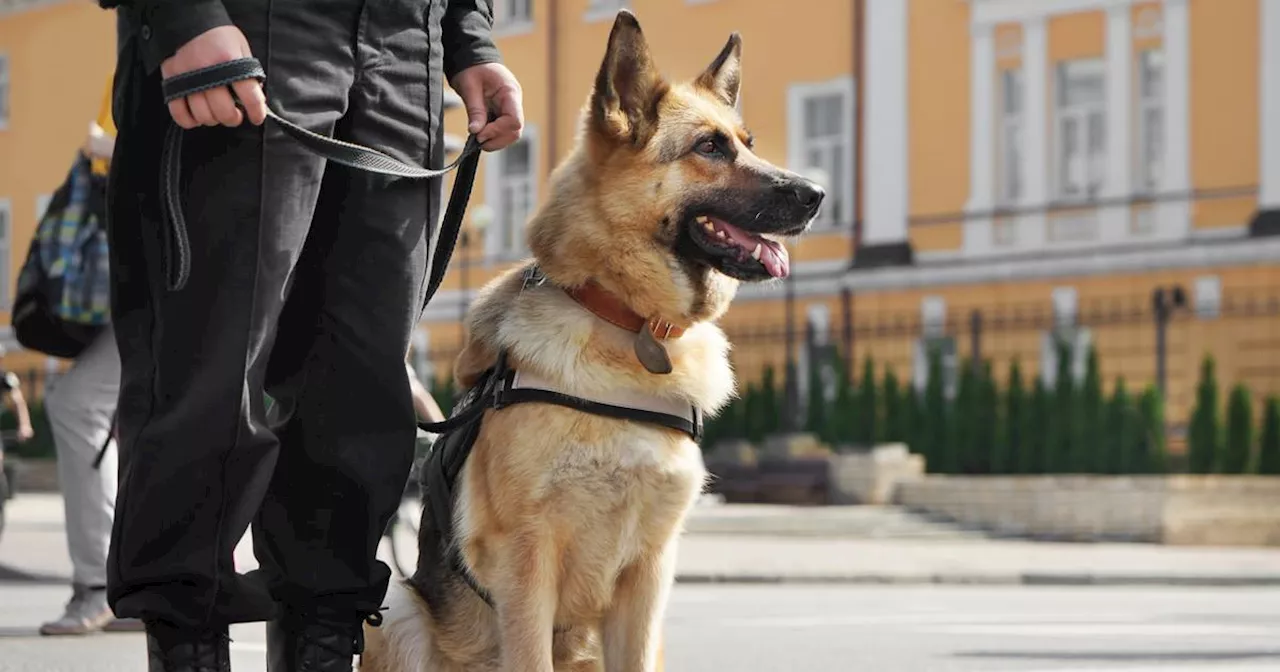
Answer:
(611, 309)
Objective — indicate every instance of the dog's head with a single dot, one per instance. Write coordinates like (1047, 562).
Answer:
(670, 175)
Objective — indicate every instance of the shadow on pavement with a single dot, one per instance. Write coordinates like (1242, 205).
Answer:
(10, 575)
(1125, 656)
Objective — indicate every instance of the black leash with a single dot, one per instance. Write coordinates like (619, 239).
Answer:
(345, 153)
(102, 452)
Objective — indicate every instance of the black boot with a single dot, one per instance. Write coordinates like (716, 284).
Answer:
(314, 642)
(173, 649)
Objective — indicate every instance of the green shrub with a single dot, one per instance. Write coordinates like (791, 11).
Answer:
(912, 419)
(868, 418)
(1035, 436)
(1088, 449)
(843, 408)
(1012, 456)
(985, 432)
(894, 427)
(940, 456)
(817, 415)
(1239, 446)
(1269, 448)
(1203, 438)
(1149, 457)
(41, 445)
(1119, 452)
(1061, 426)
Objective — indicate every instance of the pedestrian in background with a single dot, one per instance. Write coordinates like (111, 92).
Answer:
(80, 404)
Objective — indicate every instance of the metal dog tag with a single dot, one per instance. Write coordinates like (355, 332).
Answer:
(651, 353)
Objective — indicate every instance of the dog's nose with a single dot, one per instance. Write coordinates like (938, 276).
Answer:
(807, 194)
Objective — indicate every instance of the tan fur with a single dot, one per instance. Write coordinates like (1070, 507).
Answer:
(571, 520)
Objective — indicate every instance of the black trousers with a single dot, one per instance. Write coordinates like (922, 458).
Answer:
(306, 281)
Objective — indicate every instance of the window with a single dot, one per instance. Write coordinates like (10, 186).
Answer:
(1208, 295)
(509, 14)
(934, 339)
(6, 227)
(821, 144)
(1081, 129)
(1065, 337)
(4, 91)
(1010, 137)
(1150, 120)
(512, 196)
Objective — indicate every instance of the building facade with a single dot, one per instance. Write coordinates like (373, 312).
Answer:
(1002, 174)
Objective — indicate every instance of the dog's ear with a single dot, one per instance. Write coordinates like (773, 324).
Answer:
(624, 103)
(724, 76)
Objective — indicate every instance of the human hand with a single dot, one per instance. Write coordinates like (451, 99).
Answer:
(25, 433)
(215, 106)
(98, 145)
(491, 87)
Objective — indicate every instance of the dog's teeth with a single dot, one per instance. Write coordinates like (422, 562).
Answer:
(702, 219)
(706, 223)
(722, 234)
(755, 254)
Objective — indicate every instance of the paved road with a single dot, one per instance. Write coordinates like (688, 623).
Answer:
(843, 628)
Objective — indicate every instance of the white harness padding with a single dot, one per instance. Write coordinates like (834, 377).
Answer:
(622, 398)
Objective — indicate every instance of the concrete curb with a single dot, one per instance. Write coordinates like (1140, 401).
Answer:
(1025, 579)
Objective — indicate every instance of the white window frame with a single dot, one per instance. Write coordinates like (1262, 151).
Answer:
(1146, 180)
(6, 252)
(1095, 164)
(1011, 128)
(1208, 296)
(6, 91)
(505, 23)
(602, 10)
(798, 146)
(1065, 328)
(495, 186)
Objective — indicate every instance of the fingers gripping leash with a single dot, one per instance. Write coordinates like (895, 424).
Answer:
(345, 153)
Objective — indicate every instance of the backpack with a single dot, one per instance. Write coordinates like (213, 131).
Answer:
(63, 299)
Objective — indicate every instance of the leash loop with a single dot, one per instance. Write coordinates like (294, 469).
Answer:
(176, 240)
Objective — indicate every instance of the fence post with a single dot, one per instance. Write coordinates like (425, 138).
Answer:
(1163, 302)
(975, 340)
(846, 316)
(791, 391)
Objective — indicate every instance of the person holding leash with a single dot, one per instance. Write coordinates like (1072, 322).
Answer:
(80, 404)
(244, 265)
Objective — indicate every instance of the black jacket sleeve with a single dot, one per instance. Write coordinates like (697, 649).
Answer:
(166, 25)
(466, 34)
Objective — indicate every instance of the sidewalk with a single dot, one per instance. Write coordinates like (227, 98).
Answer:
(749, 544)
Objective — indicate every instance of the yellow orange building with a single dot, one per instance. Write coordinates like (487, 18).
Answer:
(998, 170)
(55, 59)
(1046, 164)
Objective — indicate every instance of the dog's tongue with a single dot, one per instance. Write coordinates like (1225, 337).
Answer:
(773, 255)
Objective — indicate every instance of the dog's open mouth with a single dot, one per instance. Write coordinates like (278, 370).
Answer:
(724, 239)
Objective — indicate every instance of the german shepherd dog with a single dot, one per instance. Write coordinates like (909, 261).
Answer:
(570, 520)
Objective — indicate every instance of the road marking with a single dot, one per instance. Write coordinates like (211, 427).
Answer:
(1101, 630)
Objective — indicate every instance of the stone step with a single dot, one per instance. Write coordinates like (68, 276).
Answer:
(859, 522)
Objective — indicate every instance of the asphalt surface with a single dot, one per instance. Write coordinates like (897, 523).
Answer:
(786, 628)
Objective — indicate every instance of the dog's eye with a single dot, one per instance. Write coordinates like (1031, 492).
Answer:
(707, 147)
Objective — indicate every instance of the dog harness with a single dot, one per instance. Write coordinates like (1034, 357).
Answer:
(499, 387)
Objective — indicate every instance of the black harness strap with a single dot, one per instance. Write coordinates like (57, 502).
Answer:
(509, 396)
(457, 435)
(345, 153)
